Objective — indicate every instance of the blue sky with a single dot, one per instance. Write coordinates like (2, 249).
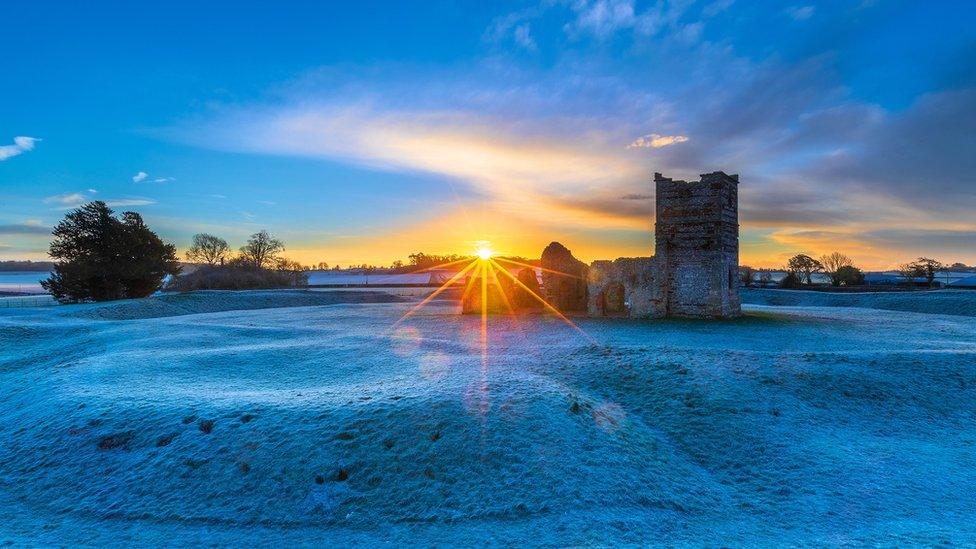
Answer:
(366, 132)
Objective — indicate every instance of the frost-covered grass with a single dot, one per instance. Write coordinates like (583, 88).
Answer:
(215, 418)
(946, 302)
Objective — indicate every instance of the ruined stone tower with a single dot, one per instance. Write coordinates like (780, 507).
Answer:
(697, 241)
(695, 272)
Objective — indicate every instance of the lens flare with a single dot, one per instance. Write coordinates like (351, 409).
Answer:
(482, 274)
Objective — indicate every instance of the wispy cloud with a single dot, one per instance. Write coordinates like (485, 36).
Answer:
(121, 202)
(69, 199)
(523, 37)
(603, 17)
(557, 146)
(800, 13)
(716, 7)
(515, 27)
(656, 141)
(21, 145)
(523, 172)
(143, 176)
(25, 228)
(73, 200)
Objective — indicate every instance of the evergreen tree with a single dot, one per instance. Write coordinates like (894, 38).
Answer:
(100, 257)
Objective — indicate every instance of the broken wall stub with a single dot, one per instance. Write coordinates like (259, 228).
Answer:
(564, 282)
(501, 293)
(522, 299)
(494, 298)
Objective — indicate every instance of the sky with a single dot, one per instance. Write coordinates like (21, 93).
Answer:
(363, 132)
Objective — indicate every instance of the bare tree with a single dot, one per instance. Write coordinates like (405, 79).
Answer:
(832, 264)
(261, 250)
(805, 265)
(765, 277)
(909, 271)
(207, 248)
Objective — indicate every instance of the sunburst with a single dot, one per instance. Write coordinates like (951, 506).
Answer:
(481, 268)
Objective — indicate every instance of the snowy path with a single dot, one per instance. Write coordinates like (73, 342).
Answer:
(276, 417)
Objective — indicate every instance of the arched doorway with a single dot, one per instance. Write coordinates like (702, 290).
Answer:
(614, 300)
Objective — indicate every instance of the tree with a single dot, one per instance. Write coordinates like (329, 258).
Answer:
(100, 257)
(747, 275)
(209, 249)
(284, 264)
(423, 261)
(261, 250)
(791, 280)
(909, 271)
(927, 268)
(367, 270)
(848, 275)
(765, 277)
(805, 265)
(322, 266)
(832, 263)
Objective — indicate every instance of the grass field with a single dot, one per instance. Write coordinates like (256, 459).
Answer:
(292, 417)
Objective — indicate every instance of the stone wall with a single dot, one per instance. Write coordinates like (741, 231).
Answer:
(623, 287)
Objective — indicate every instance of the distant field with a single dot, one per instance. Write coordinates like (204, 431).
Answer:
(297, 418)
(946, 302)
(28, 282)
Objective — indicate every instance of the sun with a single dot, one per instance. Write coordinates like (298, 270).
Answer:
(484, 253)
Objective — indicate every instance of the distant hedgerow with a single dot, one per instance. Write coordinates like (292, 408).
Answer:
(236, 277)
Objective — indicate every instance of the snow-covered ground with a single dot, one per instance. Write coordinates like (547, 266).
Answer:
(300, 418)
(946, 302)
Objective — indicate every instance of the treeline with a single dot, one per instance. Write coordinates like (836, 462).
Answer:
(27, 265)
(100, 257)
(841, 271)
(418, 262)
(257, 264)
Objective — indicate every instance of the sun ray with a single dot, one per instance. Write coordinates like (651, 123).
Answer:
(546, 304)
(440, 265)
(538, 267)
(484, 308)
(468, 286)
(501, 291)
(436, 292)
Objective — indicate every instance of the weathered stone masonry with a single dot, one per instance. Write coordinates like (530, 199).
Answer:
(693, 274)
(695, 270)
